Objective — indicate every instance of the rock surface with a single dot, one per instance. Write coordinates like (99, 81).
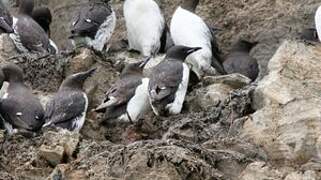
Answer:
(287, 122)
(59, 146)
(218, 135)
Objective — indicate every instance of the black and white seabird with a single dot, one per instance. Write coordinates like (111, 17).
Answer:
(20, 110)
(146, 27)
(127, 99)
(169, 81)
(94, 25)
(188, 29)
(68, 107)
(28, 35)
(5, 19)
(240, 61)
(43, 17)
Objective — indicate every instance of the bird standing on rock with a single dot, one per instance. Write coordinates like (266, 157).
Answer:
(68, 107)
(43, 17)
(94, 25)
(188, 29)
(5, 20)
(127, 99)
(240, 61)
(28, 35)
(145, 25)
(169, 81)
(20, 110)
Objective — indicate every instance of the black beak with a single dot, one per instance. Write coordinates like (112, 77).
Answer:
(88, 73)
(5, 26)
(255, 43)
(192, 50)
(143, 64)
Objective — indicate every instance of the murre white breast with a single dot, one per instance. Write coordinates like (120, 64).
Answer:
(188, 29)
(127, 99)
(169, 81)
(317, 19)
(145, 25)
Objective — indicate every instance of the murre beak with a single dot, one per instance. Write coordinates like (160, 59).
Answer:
(143, 64)
(110, 102)
(74, 34)
(5, 26)
(86, 74)
(192, 50)
(90, 72)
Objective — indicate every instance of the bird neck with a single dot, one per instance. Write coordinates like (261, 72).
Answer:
(190, 5)
(26, 7)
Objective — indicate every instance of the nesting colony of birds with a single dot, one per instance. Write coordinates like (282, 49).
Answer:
(188, 42)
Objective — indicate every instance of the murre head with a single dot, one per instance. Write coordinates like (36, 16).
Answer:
(12, 73)
(76, 81)
(190, 5)
(243, 45)
(43, 17)
(26, 7)
(180, 52)
(135, 68)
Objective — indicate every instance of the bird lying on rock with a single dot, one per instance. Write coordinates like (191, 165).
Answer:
(68, 107)
(20, 110)
(127, 99)
(28, 35)
(94, 25)
(240, 61)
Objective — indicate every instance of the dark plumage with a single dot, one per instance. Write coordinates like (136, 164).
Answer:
(122, 92)
(89, 20)
(67, 109)
(19, 108)
(2, 78)
(167, 78)
(310, 34)
(5, 20)
(43, 17)
(240, 61)
(29, 35)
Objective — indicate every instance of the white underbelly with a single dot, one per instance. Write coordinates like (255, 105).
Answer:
(104, 33)
(79, 122)
(139, 103)
(176, 106)
(145, 24)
